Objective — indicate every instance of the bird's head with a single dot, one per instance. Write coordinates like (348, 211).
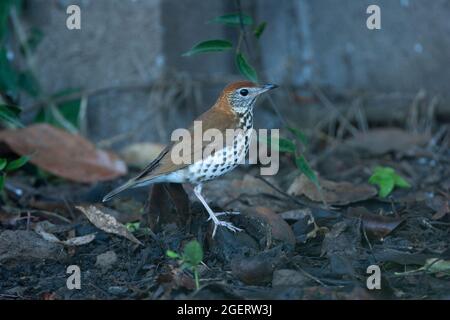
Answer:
(242, 95)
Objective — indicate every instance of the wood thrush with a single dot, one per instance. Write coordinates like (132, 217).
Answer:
(232, 110)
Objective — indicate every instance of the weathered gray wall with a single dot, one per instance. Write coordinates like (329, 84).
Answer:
(324, 42)
(327, 42)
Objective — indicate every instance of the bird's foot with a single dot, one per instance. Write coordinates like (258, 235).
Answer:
(225, 224)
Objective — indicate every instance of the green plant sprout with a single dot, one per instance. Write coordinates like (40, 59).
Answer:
(133, 226)
(387, 179)
(234, 20)
(190, 259)
(9, 166)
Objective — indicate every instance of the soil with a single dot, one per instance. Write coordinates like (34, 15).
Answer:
(291, 246)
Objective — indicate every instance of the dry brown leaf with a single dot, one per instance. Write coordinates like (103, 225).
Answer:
(141, 154)
(383, 140)
(41, 229)
(375, 225)
(280, 229)
(441, 206)
(63, 154)
(107, 223)
(334, 193)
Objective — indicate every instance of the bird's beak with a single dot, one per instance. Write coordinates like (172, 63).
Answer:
(267, 87)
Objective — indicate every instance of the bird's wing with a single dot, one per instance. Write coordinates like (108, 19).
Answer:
(215, 118)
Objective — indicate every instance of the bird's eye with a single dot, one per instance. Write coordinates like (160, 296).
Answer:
(243, 92)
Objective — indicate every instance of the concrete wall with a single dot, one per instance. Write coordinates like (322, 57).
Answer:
(325, 42)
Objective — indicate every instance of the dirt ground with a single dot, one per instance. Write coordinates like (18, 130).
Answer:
(293, 245)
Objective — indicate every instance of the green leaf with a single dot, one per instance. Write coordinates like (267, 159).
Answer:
(34, 39)
(69, 110)
(285, 145)
(3, 163)
(259, 29)
(4, 14)
(233, 19)
(10, 116)
(172, 254)
(8, 76)
(2, 181)
(193, 253)
(245, 68)
(387, 179)
(281, 144)
(133, 226)
(299, 135)
(16, 164)
(28, 82)
(386, 186)
(303, 165)
(209, 46)
(400, 182)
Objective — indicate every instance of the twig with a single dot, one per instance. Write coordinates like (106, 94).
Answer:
(297, 201)
(243, 30)
(87, 93)
(326, 102)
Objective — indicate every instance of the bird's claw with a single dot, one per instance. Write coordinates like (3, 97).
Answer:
(225, 224)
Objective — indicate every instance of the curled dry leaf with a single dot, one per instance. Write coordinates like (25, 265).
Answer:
(441, 206)
(107, 223)
(63, 154)
(280, 229)
(41, 229)
(375, 225)
(381, 141)
(334, 193)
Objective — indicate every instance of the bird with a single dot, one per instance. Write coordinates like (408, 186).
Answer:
(232, 110)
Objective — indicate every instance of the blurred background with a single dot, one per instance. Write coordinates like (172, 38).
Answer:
(127, 68)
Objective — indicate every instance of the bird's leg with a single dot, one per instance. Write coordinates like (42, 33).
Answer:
(212, 215)
(218, 214)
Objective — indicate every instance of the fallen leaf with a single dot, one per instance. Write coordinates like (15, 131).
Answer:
(42, 227)
(287, 277)
(141, 154)
(257, 269)
(334, 193)
(384, 140)
(432, 265)
(440, 205)
(63, 154)
(296, 214)
(436, 265)
(305, 227)
(342, 247)
(376, 226)
(280, 229)
(107, 223)
(79, 241)
(383, 254)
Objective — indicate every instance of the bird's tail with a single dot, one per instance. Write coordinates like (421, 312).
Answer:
(130, 184)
